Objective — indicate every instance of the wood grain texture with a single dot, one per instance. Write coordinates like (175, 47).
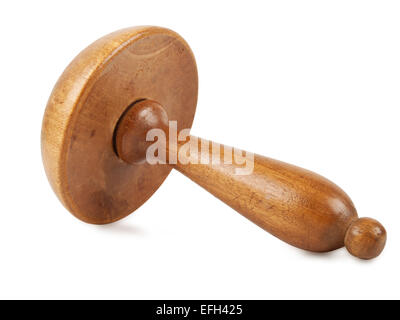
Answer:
(86, 104)
(294, 204)
(365, 238)
(137, 79)
(298, 206)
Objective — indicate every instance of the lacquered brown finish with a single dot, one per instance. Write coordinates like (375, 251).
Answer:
(86, 104)
(94, 148)
(296, 205)
(130, 134)
(365, 238)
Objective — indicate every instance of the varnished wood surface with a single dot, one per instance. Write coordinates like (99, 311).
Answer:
(298, 206)
(295, 205)
(137, 79)
(86, 104)
(365, 238)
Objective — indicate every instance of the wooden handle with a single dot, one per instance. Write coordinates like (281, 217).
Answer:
(294, 204)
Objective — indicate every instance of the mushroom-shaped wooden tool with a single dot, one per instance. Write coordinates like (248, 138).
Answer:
(106, 115)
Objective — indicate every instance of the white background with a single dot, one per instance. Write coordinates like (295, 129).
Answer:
(313, 83)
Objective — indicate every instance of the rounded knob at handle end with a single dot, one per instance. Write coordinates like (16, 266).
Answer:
(365, 238)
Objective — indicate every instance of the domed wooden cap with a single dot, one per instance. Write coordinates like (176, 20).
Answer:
(86, 104)
(365, 238)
